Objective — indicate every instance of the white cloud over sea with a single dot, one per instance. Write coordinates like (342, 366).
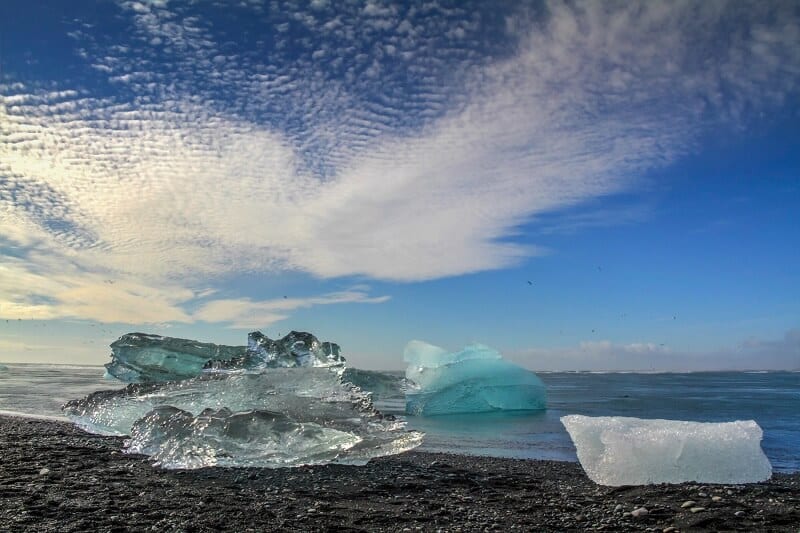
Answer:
(367, 140)
(605, 355)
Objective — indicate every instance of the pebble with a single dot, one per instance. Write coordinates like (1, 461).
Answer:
(44, 471)
(104, 483)
(641, 511)
(702, 494)
(716, 498)
(687, 503)
(697, 509)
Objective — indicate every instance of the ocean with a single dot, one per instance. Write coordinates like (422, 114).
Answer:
(770, 398)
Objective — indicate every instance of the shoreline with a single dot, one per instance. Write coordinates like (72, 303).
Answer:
(55, 477)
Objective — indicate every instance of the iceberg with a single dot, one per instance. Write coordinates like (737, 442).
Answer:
(276, 403)
(145, 358)
(298, 348)
(632, 451)
(474, 380)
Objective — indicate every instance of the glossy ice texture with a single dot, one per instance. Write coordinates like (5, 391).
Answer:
(144, 358)
(474, 380)
(616, 450)
(277, 403)
(298, 348)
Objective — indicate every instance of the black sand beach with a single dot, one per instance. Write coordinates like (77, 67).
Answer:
(55, 477)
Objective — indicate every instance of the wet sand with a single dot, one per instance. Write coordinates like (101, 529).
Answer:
(54, 477)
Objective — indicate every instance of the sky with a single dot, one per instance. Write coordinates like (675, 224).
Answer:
(580, 185)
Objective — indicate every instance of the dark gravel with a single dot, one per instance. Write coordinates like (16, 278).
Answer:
(55, 477)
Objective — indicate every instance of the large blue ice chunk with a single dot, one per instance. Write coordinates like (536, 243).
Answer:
(477, 379)
(617, 450)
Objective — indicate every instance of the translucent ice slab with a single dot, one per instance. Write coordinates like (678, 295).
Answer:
(615, 450)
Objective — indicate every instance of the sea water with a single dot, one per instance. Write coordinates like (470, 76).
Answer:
(772, 399)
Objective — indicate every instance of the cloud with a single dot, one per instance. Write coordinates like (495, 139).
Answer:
(752, 354)
(247, 314)
(782, 353)
(32, 287)
(395, 150)
(573, 222)
(38, 285)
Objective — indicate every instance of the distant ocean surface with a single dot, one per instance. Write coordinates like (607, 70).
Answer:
(770, 398)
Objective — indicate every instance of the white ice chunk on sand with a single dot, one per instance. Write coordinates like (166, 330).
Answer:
(616, 450)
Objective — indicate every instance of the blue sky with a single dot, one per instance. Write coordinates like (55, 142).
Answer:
(580, 185)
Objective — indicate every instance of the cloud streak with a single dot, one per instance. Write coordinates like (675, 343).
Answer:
(751, 354)
(245, 313)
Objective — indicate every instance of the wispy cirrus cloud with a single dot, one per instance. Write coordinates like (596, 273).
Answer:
(31, 290)
(395, 142)
(245, 313)
(36, 285)
(574, 221)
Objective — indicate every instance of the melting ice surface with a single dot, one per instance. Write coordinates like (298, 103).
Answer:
(474, 380)
(145, 358)
(616, 450)
(275, 403)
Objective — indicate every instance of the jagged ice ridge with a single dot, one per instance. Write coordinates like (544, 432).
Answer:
(273, 403)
